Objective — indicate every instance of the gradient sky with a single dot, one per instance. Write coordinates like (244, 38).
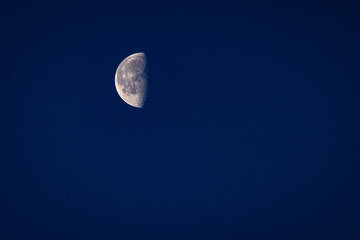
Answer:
(251, 129)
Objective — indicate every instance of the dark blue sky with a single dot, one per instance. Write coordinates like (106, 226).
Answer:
(251, 129)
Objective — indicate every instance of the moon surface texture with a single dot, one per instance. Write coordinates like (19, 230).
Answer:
(131, 80)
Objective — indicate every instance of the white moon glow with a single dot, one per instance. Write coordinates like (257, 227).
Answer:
(131, 80)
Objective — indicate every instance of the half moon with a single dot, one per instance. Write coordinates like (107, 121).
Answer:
(131, 80)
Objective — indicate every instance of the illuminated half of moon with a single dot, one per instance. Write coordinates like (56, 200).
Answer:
(131, 80)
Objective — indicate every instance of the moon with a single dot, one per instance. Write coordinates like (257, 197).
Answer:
(131, 79)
